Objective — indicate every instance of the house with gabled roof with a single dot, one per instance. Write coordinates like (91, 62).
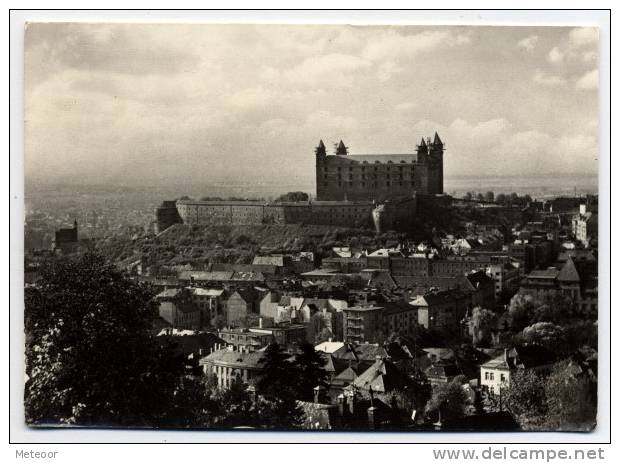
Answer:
(495, 374)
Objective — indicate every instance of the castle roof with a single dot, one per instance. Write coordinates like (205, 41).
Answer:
(406, 158)
(341, 149)
(437, 140)
(422, 143)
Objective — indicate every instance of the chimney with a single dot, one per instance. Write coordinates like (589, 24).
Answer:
(342, 402)
(319, 394)
(352, 400)
(371, 417)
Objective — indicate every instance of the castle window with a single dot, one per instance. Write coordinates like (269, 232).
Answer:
(387, 183)
(350, 176)
(339, 169)
(350, 168)
(363, 185)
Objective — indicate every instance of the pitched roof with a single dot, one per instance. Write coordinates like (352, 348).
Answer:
(269, 260)
(328, 346)
(443, 369)
(206, 276)
(382, 376)
(251, 360)
(437, 140)
(569, 272)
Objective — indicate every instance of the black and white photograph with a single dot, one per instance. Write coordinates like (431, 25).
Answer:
(311, 227)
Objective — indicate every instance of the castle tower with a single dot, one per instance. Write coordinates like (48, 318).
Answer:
(341, 149)
(320, 167)
(422, 150)
(435, 162)
(320, 150)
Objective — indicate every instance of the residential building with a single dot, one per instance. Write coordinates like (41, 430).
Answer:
(363, 324)
(226, 364)
(176, 308)
(495, 374)
(442, 310)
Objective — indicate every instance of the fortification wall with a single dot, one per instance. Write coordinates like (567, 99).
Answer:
(349, 214)
(359, 214)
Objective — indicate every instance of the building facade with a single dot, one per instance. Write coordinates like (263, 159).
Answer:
(343, 176)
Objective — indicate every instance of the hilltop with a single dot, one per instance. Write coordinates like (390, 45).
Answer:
(237, 244)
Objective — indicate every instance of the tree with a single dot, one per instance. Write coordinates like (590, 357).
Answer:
(191, 405)
(489, 196)
(293, 196)
(448, 400)
(571, 398)
(501, 198)
(236, 406)
(468, 196)
(521, 311)
(483, 324)
(310, 371)
(278, 388)
(480, 197)
(526, 399)
(545, 334)
(90, 357)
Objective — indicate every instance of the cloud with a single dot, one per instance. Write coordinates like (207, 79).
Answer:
(548, 80)
(555, 55)
(395, 45)
(334, 69)
(387, 69)
(195, 97)
(583, 36)
(528, 43)
(405, 106)
(589, 81)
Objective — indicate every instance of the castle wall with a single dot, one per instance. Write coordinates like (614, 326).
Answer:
(349, 214)
(166, 215)
(342, 177)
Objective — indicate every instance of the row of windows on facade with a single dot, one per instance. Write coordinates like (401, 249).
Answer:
(374, 176)
(363, 168)
(374, 184)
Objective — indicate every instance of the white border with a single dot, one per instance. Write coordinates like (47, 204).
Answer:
(19, 433)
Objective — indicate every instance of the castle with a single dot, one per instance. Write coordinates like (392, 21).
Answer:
(380, 177)
(379, 191)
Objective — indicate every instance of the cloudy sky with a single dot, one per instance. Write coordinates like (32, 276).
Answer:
(203, 103)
